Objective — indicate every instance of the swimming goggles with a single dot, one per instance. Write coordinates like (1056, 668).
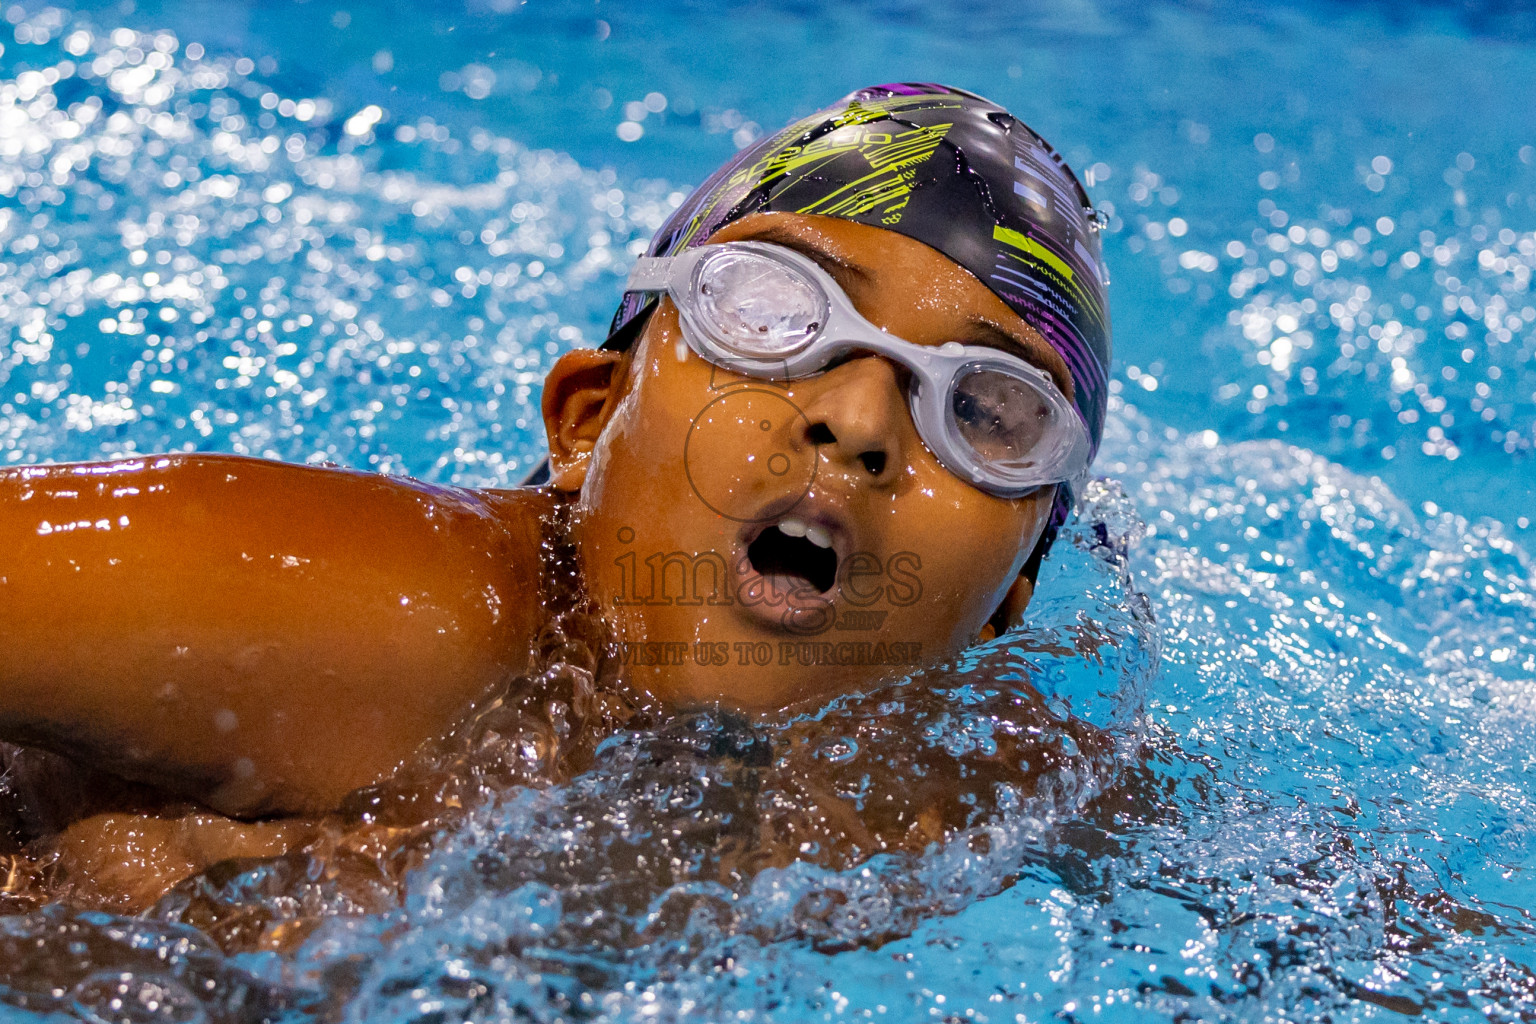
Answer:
(768, 312)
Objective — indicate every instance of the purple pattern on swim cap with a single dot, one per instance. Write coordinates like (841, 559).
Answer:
(951, 170)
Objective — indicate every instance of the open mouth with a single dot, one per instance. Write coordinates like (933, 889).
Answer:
(794, 549)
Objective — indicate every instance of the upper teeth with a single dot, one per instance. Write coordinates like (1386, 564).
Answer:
(817, 535)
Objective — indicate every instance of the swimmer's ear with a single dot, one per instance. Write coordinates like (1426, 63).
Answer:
(580, 392)
(1011, 611)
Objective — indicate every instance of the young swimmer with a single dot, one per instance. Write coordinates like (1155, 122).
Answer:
(829, 440)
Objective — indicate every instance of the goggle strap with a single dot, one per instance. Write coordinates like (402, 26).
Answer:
(650, 274)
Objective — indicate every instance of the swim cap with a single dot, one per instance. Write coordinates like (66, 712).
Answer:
(949, 169)
(953, 171)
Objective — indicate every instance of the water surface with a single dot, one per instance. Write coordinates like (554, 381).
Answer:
(361, 233)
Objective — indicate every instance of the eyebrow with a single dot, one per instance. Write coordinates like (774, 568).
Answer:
(839, 266)
(992, 335)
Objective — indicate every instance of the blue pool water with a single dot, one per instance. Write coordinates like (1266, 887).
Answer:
(315, 231)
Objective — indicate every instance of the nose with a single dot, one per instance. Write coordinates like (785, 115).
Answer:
(856, 417)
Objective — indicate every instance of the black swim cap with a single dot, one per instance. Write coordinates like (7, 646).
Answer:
(949, 169)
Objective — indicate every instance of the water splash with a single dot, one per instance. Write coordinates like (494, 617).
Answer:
(1316, 804)
(193, 263)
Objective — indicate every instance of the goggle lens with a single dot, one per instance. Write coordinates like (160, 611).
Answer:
(1004, 420)
(757, 306)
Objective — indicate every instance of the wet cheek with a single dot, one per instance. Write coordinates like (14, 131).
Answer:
(984, 553)
(975, 572)
(643, 439)
(958, 570)
(639, 481)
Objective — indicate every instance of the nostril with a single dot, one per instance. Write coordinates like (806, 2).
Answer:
(873, 461)
(820, 433)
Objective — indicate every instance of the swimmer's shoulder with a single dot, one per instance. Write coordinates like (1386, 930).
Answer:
(529, 515)
(532, 506)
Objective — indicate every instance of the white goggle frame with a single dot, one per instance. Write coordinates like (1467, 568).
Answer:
(1062, 454)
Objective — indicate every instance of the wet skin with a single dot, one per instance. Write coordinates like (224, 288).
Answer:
(260, 639)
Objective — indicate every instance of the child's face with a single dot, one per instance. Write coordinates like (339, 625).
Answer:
(688, 473)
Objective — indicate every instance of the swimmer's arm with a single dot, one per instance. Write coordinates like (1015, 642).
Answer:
(261, 637)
